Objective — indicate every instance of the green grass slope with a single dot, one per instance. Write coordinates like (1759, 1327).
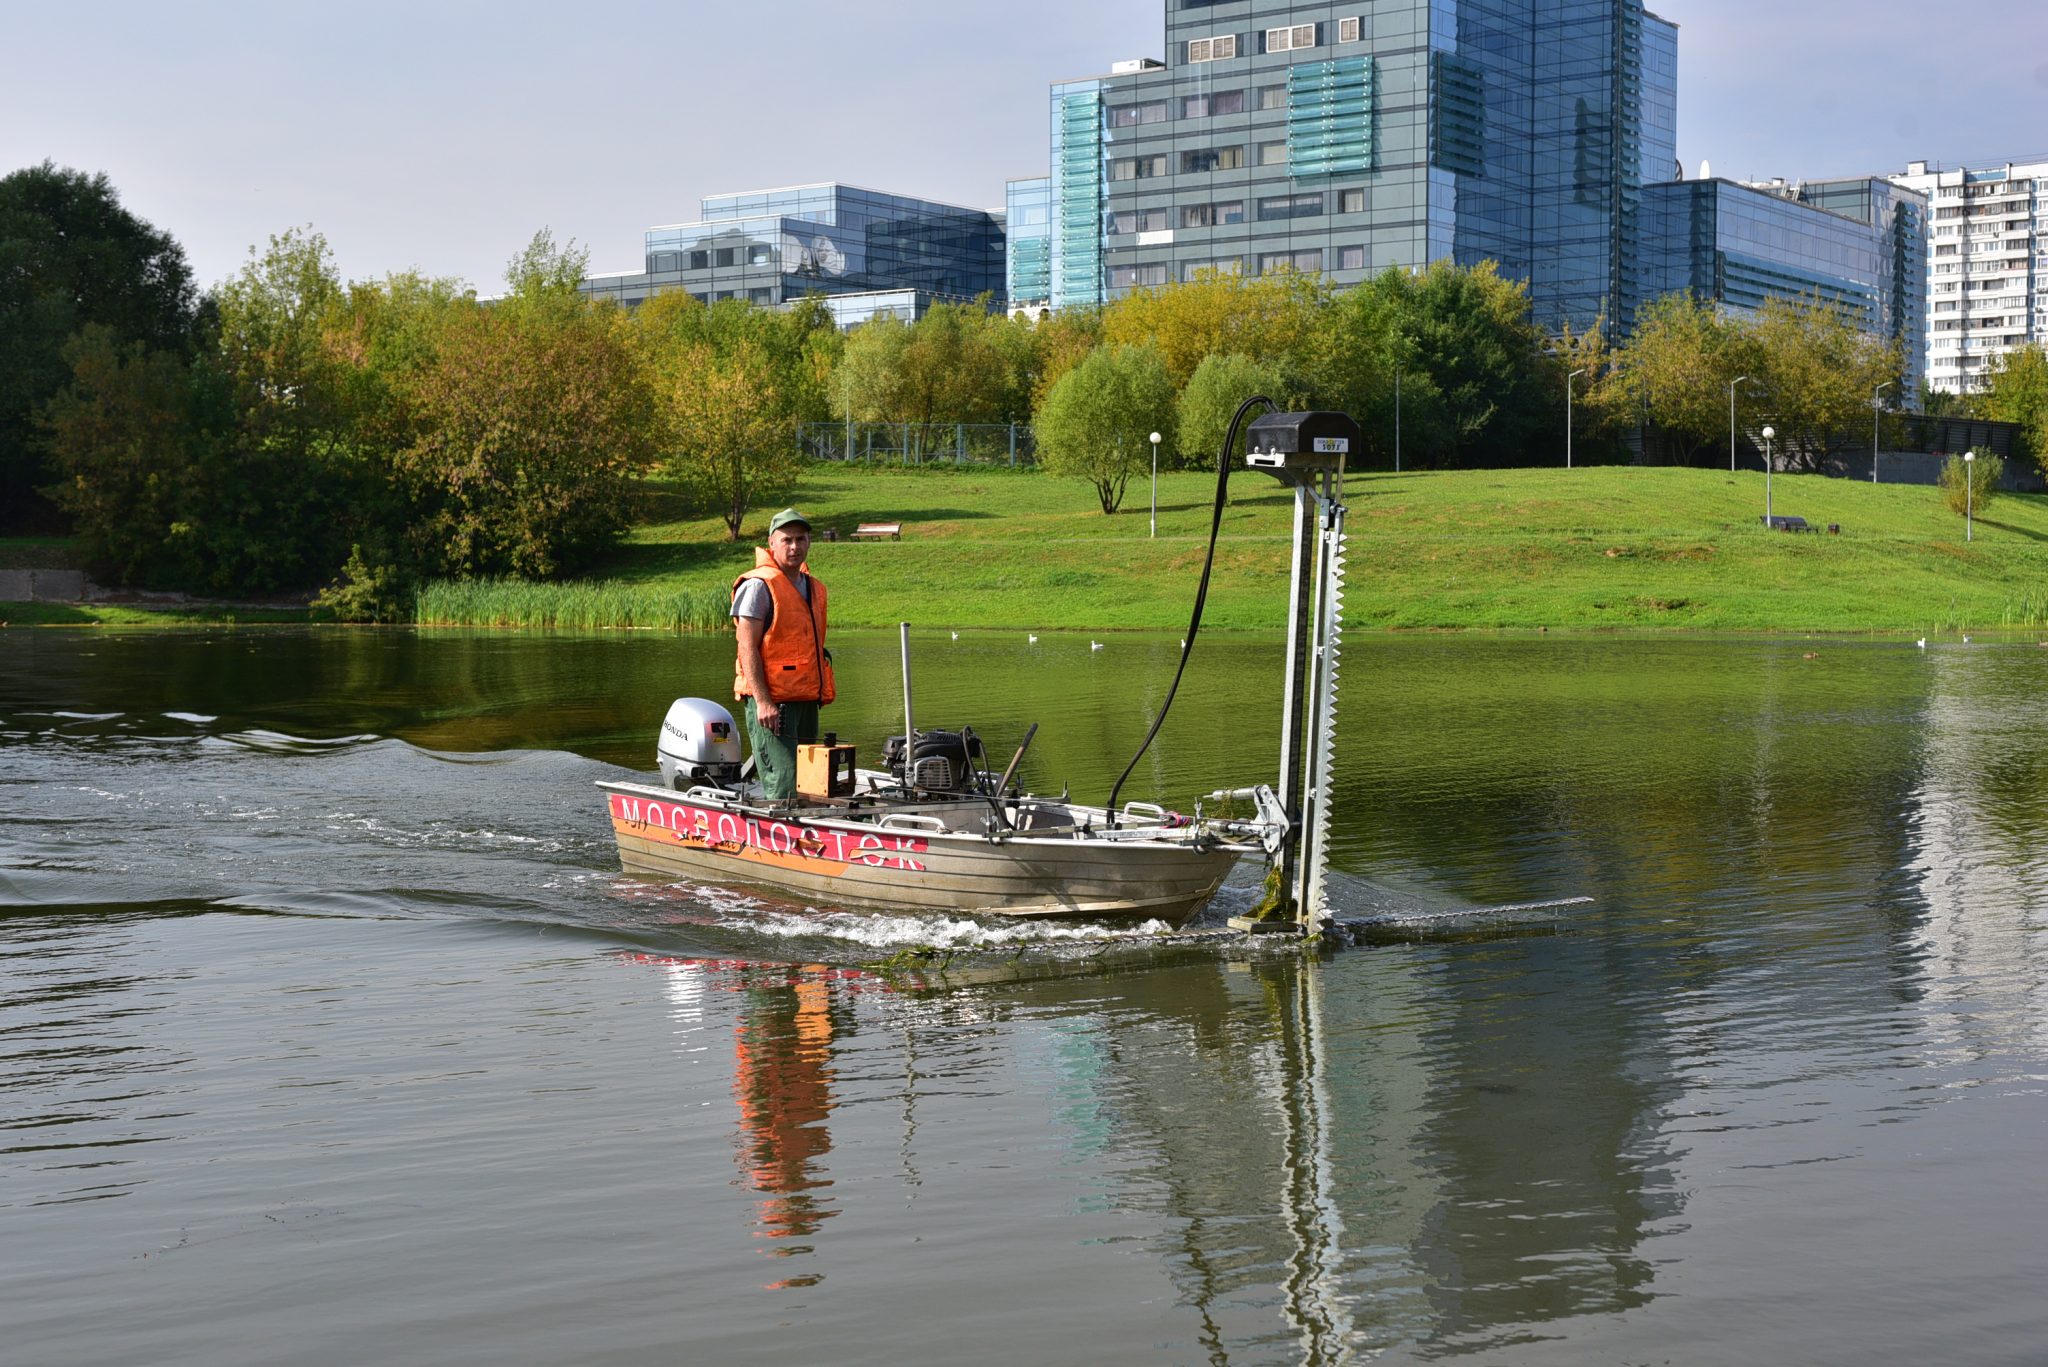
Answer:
(1606, 546)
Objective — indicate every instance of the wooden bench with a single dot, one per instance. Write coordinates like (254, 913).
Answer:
(876, 531)
(1781, 523)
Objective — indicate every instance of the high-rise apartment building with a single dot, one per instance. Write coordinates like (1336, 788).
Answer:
(1346, 138)
(1987, 266)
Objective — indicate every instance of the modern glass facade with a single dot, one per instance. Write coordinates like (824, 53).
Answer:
(773, 246)
(1029, 241)
(1346, 138)
(1857, 243)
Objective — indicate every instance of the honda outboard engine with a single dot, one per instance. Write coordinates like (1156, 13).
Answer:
(698, 744)
(943, 762)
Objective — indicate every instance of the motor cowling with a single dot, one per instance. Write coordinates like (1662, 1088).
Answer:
(941, 762)
(698, 743)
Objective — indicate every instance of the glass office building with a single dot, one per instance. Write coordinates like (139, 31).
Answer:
(1858, 243)
(1028, 229)
(1346, 138)
(864, 250)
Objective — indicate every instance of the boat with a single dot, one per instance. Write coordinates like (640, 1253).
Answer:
(935, 832)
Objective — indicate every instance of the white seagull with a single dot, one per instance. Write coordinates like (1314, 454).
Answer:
(1095, 645)
(1922, 643)
(1031, 638)
(956, 635)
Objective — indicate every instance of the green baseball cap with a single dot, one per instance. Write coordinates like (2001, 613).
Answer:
(784, 518)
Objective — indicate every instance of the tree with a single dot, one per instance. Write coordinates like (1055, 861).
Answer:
(1475, 387)
(941, 369)
(133, 443)
(729, 434)
(1677, 366)
(1816, 372)
(1219, 386)
(2017, 391)
(1968, 486)
(1097, 420)
(528, 429)
(72, 257)
(1063, 341)
(1270, 318)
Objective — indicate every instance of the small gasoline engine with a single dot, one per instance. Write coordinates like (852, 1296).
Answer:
(941, 761)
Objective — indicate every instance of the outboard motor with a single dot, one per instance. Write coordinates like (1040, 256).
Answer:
(698, 743)
(943, 762)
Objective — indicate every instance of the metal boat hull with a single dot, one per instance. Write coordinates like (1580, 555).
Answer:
(861, 863)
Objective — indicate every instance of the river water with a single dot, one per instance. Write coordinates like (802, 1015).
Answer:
(329, 1032)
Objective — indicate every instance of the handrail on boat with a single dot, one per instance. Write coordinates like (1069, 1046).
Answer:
(913, 821)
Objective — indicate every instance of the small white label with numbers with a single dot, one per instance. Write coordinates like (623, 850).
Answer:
(1333, 445)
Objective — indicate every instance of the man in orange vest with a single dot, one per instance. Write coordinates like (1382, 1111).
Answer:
(784, 671)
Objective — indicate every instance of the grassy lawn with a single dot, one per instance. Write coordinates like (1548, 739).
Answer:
(1595, 547)
(1590, 548)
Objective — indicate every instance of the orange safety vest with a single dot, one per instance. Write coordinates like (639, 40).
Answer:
(793, 648)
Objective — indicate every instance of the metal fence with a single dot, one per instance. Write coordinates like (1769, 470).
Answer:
(909, 443)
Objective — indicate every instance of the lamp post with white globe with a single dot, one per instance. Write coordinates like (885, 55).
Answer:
(1155, 484)
(1969, 496)
(1768, 434)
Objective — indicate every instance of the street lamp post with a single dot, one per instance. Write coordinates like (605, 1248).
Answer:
(1873, 427)
(1397, 420)
(1969, 496)
(1568, 416)
(1739, 379)
(1155, 484)
(1768, 434)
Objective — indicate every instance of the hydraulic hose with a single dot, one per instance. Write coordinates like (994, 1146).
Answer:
(1187, 644)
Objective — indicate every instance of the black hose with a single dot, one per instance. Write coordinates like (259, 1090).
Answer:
(1201, 591)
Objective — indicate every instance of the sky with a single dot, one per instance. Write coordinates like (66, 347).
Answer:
(440, 135)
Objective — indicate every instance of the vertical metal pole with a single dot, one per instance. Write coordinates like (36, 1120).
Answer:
(909, 733)
(1397, 420)
(1308, 900)
(1295, 683)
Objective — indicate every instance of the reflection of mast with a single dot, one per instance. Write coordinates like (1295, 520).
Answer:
(782, 1077)
(1315, 1298)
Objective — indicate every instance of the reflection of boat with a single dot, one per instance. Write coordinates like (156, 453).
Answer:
(924, 836)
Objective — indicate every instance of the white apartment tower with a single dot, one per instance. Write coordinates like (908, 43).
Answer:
(1987, 266)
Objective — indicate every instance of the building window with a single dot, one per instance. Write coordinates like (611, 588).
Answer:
(666, 261)
(1216, 102)
(1272, 97)
(1348, 30)
(1291, 39)
(700, 261)
(725, 256)
(1307, 262)
(1217, 215)
(1137, 221)
(1212, 159)
(1129, 115)
(1273, 153)
(1130, 277)
(760, 256)
(1212, 49)
(1230, 265)
(1350, 258)
(757, 296)
(1351, 201)
(1137, 168)
(1290, 206)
